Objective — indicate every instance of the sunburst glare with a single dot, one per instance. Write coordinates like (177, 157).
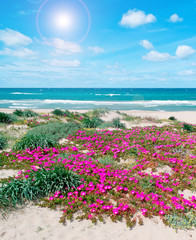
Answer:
(63, 21)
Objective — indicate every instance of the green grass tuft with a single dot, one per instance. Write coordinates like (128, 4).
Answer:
(39, 184)
(46, 135)
(91, 122)
(117, 124)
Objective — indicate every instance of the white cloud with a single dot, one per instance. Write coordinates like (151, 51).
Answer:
(13, 38)
(20, 53)
(64, 47)
(63, 63)
(96, 50)
(186, 73)
(184, 51)
(135, 18)
(175, 18)
(146, 44)
(157, 56)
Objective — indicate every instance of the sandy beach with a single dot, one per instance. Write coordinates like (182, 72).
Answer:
(40, 223)
(184, 116)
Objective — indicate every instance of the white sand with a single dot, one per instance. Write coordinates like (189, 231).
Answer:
(5, 173)
(187, 116)
(40, 223)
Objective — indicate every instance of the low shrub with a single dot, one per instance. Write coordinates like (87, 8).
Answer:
(46, 135)
(188, 127)
(55, 131)
(38, 184)
(25, 113)
(3, 142)
(18, 112)
(172, 118)
(68, 113)
(33, 141)
(6, 118)
(91, 122)
(187, 221)
(117, 124)
(58, 112)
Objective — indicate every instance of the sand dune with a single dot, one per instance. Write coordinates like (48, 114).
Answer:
(34, 222)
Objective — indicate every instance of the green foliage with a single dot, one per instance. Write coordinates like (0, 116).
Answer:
(133, 152)
(188, 127)
(147, 185)
(6, 118)
(187, 221)
(25, 113)
(46, 135)
(91, 122)
(172, 118)
(3, 142)
(58, 112)
(107, 160)
(55, 131)
(68, 113)
(39, 184)
(34, 141)
(117, 124)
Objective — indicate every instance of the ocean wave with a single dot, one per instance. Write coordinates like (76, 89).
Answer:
(23, 93)
(109, 94)
(21, 107)
(151, 103)
(147, 104)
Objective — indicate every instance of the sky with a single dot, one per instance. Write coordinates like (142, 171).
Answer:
(98, 44)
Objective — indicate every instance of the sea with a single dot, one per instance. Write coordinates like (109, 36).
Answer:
(136, 99)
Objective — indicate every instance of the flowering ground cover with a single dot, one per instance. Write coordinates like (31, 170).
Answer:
(122, 174)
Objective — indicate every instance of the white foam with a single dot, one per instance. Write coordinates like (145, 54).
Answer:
(23, 93)
(147, 104)
(110, 94)
(154, 103)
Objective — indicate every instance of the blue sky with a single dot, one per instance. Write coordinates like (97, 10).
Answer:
(105, 43)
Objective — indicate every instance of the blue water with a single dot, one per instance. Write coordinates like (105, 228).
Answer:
(150, 99)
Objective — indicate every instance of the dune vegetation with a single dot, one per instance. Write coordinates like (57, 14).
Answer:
(81, 164)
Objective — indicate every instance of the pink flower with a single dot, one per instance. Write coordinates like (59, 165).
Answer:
(115, 211)
(143, 211)
(161, 212)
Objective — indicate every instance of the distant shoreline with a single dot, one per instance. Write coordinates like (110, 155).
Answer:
(184, 116)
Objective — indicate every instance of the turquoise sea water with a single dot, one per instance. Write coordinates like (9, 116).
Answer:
(150, 99)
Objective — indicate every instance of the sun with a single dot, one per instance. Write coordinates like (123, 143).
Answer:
(63, 21)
